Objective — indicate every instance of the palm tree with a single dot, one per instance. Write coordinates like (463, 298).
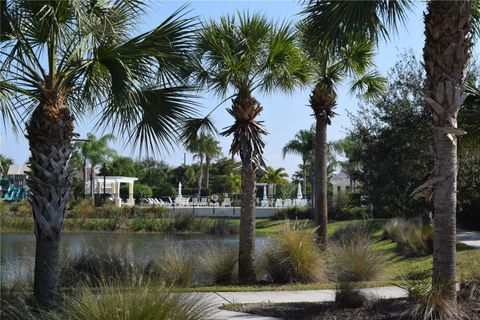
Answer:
(448, 40)
(95, 151)
(330, 68)
(5, 163)
(62, 60)
(274, 177)
(200, 147)
(245, 54)
(212, 151)
(302, 145)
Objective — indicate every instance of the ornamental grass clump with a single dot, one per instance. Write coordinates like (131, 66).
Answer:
(293, 256)
(412, 239)
(142, 303)
(176, 268)
(428, 302)
(219, 265)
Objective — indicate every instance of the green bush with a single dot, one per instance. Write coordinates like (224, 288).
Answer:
(163, 190)
(293, 256)
(223, 226)
(182, 221)
(412, 239)
(292, 213)
(141, 191)
(175, 269)
(219, 265)
(84, 209)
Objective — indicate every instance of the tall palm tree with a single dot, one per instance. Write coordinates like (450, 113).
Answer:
(330, 68)
(94, 151)
(302, 145)
(274, 177)
(200, 147)
(212, 151)
(448, 40)
(247, 54)
(62, 60)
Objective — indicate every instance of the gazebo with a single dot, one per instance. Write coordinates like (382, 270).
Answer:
(111, 185)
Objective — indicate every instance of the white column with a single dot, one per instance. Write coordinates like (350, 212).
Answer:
(130, 200)
(117, 199)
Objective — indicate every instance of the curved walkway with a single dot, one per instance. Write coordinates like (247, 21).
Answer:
(469, 238)
(221, 298)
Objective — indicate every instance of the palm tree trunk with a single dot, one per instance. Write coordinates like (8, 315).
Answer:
(321, 176)
(92, 183)
(207, 173)
(200, 178)
(304, 178)
(84, 177)
(246, 254)
(446, 55)
(49, 133)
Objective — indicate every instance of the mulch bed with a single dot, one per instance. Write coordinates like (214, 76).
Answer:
(383, 309)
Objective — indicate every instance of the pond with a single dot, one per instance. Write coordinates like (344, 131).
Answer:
(18, 248)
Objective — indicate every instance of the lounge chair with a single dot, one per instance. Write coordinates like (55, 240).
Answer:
(226, 202)
(203, 202)
(278, 203)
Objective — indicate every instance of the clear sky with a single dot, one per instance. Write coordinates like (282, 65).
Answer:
(283, 114)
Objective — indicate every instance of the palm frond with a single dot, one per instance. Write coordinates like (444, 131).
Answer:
(370, 85)
(192, 128)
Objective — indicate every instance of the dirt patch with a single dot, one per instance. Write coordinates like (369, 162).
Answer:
(384, 309)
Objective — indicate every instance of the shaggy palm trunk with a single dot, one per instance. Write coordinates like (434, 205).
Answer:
(304, 178)
(200, 178)
(322, 102)
(49, 133)
(247, 141)
(446, 55)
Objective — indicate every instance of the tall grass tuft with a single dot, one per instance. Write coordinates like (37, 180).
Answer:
(352, 232)
(219, 265)
(356, 261)
(293, 256)
(429, 303)
(412, 239)
(174, 269)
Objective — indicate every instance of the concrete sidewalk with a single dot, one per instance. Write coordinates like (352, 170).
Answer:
(469, 238)
(221, 298)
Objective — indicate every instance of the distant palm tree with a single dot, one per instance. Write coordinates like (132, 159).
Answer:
(302, 145)
(245, 54)
(5, 163)
(274, 177)
(94, 151)
(205, 147)
(233, 182)
(67, 59)
(449, 26)
(329, 69)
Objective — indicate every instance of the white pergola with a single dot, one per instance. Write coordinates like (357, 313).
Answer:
(112, 186)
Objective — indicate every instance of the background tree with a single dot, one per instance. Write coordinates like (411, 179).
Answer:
(204, 148)
(274, 177)
(5, 163)
(95, 152)
(329, 69)
(67, 59)
(302, 145)
(245, 54)
(448, 24)
(212, 151)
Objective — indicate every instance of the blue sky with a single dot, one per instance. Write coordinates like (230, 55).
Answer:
(284, 114)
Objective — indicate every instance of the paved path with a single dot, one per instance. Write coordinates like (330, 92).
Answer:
(221, 298)
(469, 238)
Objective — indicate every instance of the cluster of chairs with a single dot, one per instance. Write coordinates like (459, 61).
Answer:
(185, 202)
(282, 203)
(14, 194)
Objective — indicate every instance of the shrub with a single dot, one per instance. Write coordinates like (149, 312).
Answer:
(142, 191)
(412, 239)
(347, 296)
(354, 261)
(292, 213)
(293, 256)
(94, 268)
(164, 190)
(352, 232)
(429, 303)
(219, 264)
(114, 302)
(176, 268)
(223, 226)
(182, 221)
(84, 209)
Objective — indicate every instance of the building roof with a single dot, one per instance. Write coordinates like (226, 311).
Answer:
(17, 170)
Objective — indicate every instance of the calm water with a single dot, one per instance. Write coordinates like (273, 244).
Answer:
(18, 249)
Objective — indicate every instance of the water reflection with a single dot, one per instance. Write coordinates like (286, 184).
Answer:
(18, 249)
